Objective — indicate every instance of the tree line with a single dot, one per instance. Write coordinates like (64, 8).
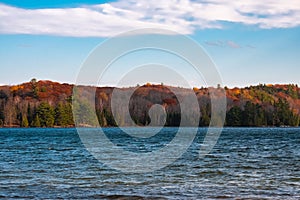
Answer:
(45, 115)
(21, 109)
(255, 115)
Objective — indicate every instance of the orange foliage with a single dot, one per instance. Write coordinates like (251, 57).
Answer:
(16, 88)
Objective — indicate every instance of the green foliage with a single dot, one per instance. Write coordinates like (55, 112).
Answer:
(260, 105)
(46, 114)
(63, 114)
(234, 116)
(256, 115)
(109, 118)
(205, 115)
(248, 116)
(283, 116)
(24, 122)
(101, 118)
(34, 87)
(36, 122)
(292, 91)
(106, 118)
(84, 113)
(33, 80)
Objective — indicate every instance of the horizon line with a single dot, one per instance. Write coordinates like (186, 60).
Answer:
(152, 83)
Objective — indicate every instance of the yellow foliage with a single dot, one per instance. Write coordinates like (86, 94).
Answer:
(16, 88)
(246, 95)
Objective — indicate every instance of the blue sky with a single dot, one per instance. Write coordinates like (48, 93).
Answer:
(250, 42)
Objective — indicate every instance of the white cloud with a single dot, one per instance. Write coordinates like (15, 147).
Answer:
(183, 16)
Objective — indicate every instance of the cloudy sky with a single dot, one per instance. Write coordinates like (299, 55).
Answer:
(250, 41)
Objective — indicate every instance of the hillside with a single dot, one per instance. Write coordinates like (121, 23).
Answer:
(49, 104)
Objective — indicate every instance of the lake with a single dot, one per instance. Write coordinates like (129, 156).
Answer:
(246, 163)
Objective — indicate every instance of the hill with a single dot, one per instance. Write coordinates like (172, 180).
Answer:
(49, 104)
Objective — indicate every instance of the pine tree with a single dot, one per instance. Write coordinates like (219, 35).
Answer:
(24, 122)
(234, 116)
(46, 114)
(36, 122)
(60, 115)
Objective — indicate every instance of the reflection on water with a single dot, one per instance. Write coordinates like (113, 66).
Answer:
(250, 163)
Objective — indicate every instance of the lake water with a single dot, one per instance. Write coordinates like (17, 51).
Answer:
(246, 163)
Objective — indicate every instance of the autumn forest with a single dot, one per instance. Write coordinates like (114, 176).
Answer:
(49, 104)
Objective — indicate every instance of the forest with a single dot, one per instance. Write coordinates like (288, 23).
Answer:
(50, 104)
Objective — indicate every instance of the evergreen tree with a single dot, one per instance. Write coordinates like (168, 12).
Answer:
(205, 115)
(2, 117)
(101, 118)
(248, 114)
(46, 114)
(60, 115)
(36, 122)
(68, 113)
(30, 113)
(109, 118)
(84, 113)
(234, 116)
(259, 118)
(34, 87)
(63, 114)
(283, 115)
(24, 122)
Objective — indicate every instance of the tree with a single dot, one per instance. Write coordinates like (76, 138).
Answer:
(248, 114)
(292, 91)
(46, 114)
(173, 119)
(234, 116)
(68, 113)
(63, 114)
(84, 112)
(30, 113)
(36, 122)
(101, 118)
(205, 115)
(109, 118)
(24, 122)
(10, 112)
(283, 115)
(35, 89)
(259, 118)
(2, 117)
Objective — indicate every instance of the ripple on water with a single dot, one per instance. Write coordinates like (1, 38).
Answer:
(250, 163)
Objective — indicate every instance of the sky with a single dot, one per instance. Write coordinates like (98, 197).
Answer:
(250, 42)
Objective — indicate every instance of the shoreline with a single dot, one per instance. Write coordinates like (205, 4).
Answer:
(92, 127)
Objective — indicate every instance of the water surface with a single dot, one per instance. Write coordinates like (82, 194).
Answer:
(246, 163)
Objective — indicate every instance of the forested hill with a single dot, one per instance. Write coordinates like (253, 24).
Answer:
(49, 104)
